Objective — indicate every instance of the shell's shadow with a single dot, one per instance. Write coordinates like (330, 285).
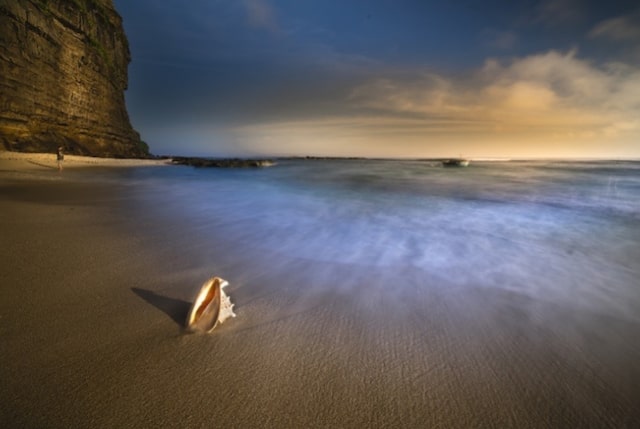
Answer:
(176, 309)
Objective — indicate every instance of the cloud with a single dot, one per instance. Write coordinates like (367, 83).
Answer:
(552, 103)
(621, 28)
(260, 14)
(501, 40)
(548, 94)
(560, 12)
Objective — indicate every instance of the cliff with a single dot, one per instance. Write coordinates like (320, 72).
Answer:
(63, 73)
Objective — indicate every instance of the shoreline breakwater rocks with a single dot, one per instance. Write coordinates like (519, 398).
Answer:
(222, 163)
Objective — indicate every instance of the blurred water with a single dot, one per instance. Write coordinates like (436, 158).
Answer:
(557, 231)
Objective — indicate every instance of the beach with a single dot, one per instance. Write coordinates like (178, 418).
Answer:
(102, 260)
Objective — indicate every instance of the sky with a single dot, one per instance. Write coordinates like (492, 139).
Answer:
(385, 78)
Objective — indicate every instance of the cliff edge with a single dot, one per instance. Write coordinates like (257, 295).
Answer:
(63, 73)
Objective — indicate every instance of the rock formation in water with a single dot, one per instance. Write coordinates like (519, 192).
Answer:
(222, 163)
(63, 73)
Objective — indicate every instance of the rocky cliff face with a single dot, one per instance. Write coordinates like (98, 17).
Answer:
(63, 72)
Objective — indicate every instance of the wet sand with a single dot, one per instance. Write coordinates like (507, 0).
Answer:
(96, 289)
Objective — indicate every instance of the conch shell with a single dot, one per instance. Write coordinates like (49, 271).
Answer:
(211, 306)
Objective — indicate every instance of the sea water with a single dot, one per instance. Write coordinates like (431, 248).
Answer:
(556, 231)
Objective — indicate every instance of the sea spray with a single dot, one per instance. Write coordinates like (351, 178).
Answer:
(564, 232)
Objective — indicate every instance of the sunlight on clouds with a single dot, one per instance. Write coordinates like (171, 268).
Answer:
(523, 97)
(573, 80)
(526, 106)
(328, 136)
(549, 91)
(426, 94)
(620, 127)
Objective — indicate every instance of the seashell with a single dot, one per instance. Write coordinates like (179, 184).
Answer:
(212, 305)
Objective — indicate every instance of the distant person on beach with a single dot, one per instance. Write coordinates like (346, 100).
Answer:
(60, 157)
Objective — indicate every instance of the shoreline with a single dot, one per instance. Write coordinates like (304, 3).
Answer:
(21, 163)
(35, 161)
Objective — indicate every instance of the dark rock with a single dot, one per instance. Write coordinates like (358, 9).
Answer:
(455, 162)
(63, 72)
(222, 163)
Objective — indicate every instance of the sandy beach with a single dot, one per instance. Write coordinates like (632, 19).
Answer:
(96, 287)
(17, 164)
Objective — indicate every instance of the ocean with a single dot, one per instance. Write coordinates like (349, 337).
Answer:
(557, 231)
